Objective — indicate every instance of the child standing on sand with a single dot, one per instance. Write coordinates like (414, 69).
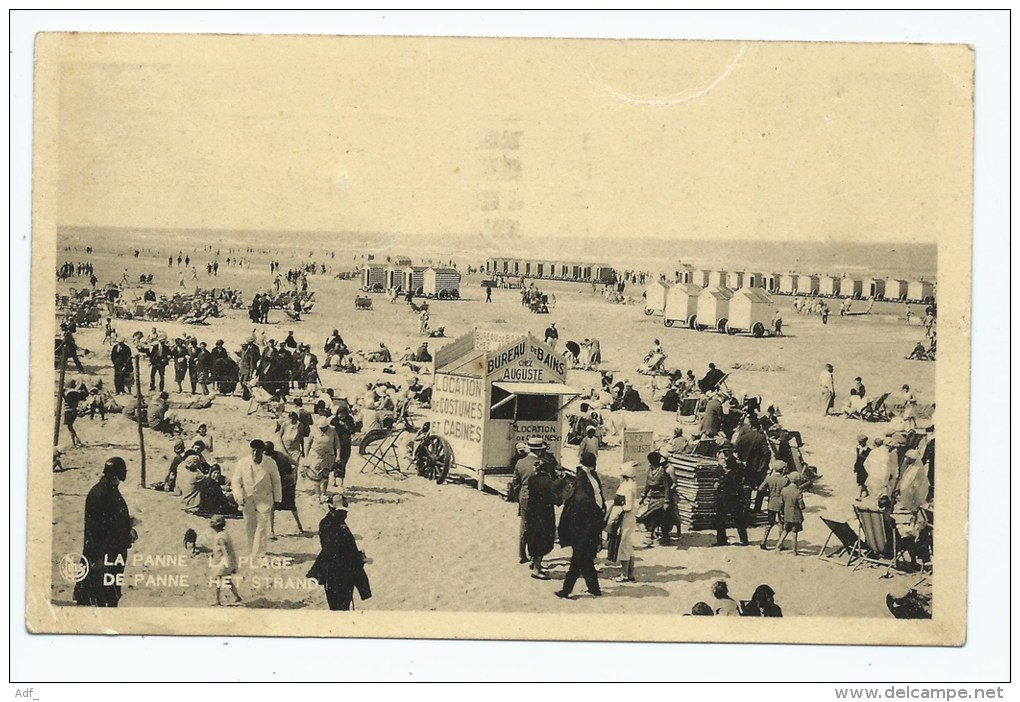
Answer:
(223, 560)
(792, 498)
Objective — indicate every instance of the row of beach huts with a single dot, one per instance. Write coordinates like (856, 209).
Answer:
(429, 281)
(920, 290)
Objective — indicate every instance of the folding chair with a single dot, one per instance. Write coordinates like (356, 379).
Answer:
(847, 539)
(875, 410)
(877, 544)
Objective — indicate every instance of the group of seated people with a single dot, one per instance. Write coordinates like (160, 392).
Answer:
(761, 604)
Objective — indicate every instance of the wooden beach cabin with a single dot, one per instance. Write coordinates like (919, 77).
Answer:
(807, 284)
(921, 291)
(876, 288)
(441, 282)
(896, 289)
(682, 305)
(755, 280)
(787, 284)
(828, 285)
(373, 277)
(714, 307)
(413, 278)
(655, 296)
(750, 311)
(735, 279)
(718, 278)
(851, 287)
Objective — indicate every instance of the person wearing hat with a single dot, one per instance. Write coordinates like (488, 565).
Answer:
(120, 356)
(223, 560)
(322, 455)
(73, 396)
(589, 443)
(179, 355)
(540, 517)
(159, 357)
(883, 466)
(860, 469)
(792, 499)
(340, 565)
(528, 455)
(621, 523)
(257, 487)
(729, 487)
(772, 487)
(552, 335)
(581, 524)
(288, 487)
(108, 535)
(170, 481)
(712, 418)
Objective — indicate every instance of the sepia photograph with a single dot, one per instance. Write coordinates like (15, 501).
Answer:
(501, 338)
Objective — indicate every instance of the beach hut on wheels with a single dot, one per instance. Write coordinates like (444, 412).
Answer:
(876, 288)
(772, 282)
(685, 274)
(400, 262)
(713, 308)
(828, 285)
(807, 284)
(921, 291)
(413, 278)
(492, 390)
(394, 277)
(655, 296)
(787, 284)
(443, 283)
(896, 289)
(751, 311)
(373, 277)
(701, 277)
(682, 305)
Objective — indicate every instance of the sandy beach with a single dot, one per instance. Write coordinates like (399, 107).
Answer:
(451, 547)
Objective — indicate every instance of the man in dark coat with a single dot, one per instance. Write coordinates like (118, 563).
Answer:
(340, 566)
(581, 527)
(752, 448)
(120, 355)
(712, 378)
(159, 358)
(108, 536)
(729, 489)
(712, 418)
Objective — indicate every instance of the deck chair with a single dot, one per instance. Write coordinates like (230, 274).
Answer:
(875, 411)
(847, 539)
(877, 544)
(690, 407)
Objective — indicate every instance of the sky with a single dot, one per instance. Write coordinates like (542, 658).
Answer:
(512, 138)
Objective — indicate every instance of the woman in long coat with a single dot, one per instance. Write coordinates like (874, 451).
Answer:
(108, 536)
(540, 520)
(340, 566)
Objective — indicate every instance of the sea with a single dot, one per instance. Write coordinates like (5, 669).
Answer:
(658, 255)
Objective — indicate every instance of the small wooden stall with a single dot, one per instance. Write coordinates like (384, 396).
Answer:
(807, 284)
(921, 291)
(713, 308)
(828, 285)
(751, 311)
(655, 297)
(682, 305)
(443, 283)
(492, 390)
(373, 277)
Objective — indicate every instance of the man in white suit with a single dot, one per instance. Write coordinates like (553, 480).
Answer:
(256, 486)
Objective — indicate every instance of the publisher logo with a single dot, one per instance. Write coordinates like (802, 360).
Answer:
(74, 567)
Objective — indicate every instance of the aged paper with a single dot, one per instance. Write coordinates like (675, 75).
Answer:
(562, 212)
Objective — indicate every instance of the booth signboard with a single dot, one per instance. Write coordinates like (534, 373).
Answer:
(637, 444)
(488, 340)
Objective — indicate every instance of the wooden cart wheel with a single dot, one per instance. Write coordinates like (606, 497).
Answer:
(758, 329)
(667, 322)
(692, 322)
(648, 311)
(365, 446)
(434, 458)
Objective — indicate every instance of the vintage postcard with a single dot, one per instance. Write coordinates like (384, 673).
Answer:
(500, 338)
